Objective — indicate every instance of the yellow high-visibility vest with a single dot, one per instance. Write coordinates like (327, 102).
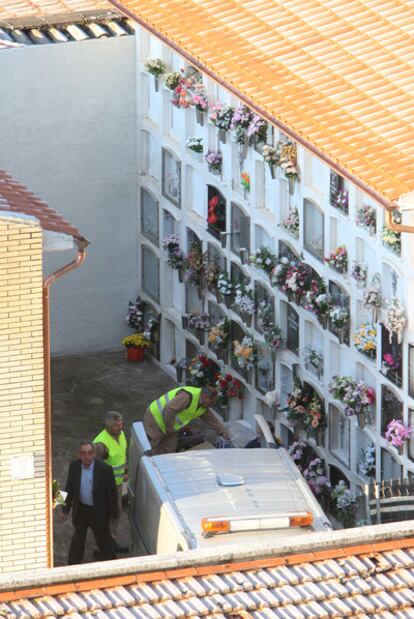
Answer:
(194, 410)
(116, 453)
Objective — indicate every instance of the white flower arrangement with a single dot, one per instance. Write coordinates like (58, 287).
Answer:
(313, 357)
(395, 320)
(224, 284)
(244, 299)
(155, 66)
(245, 352)
(366, 466)
(339, 316)
(195, 144)
(372, 297)
(271, 398)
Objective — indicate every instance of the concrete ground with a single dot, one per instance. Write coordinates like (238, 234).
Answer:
(84, 388)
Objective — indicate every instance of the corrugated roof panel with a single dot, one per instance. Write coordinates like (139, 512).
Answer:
(337, 58)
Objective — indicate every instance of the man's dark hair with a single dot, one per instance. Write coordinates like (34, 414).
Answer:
(86, 442)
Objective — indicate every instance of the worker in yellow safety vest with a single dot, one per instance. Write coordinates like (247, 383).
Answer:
(175, 409)
(113, 443)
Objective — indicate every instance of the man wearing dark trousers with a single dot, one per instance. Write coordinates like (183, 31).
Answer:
(93, 498)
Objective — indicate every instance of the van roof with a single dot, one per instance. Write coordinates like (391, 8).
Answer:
(272, 484)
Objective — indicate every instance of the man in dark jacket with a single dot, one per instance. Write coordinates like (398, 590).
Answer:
(93, 498)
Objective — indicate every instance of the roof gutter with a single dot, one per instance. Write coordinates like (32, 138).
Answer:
(389, 206)
(80, 257)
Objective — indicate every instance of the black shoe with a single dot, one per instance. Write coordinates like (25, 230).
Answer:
(97, 555)
(121, 549)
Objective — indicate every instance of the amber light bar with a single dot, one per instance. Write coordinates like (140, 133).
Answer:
(286, 520)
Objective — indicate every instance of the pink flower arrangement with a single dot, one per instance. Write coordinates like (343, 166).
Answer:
(338, 259)
(391, 362)
(397, 433)
(199, 97)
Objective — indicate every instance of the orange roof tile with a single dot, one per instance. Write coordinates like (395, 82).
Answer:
(336, 75)
(16, 198)
(12, 10)
(373, 580)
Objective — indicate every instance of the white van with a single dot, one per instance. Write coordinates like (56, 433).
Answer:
(211, 497)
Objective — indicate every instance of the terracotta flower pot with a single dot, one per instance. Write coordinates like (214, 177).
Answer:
(135, 354)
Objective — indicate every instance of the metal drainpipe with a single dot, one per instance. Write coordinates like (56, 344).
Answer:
(81, 255)
(396, 227)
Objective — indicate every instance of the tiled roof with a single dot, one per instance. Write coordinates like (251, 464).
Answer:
(368, 582)
(337, 75)
(16, 198)
(12, 10)
(64, 32)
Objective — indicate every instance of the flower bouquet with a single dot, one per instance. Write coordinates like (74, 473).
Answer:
(212, 271)
(199, 100)
(273, 337)
(194, 265)
(135, 316)
(287, 163)
(291, 222)
(372, 298)
(355, 395)
(221, 116)
(228, 387)
(264, 260)
(245, 181)
(359, 272)
(338, 316)
(297, 402)
(245, 301)
(296, 281)
(201, 371)
(338, 259)
(265, 313)
(172, 80)
(181, 96)
(244, 353)
(216, 215)
(214, 160)
(366, 217)
(345, 504)
(365, 340)
(200, 322)
(315, 415)
(156, 67)
(218, 336)
(297, 453)
(195, 144)
(271, 157)
(395, 320)
(313, 358)
(391, 239)
(257, 130)
(240, 122)
(316, 478)
(397, 433)
(389, 362)
(316, 300)
(366, 466)
(225, 287)
(175, 256)
(279, 273)
(136, 340)
(341, 200)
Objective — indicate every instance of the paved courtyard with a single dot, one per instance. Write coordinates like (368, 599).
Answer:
(84, 388)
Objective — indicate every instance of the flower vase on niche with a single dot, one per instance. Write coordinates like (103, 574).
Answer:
(298, 297)
(361, 419)
(223, 355)
(323, 320)
(179, 372)
(156, 83)
(200, 291)
(227, 300)
(214, 171)
(200, 336)
(247, 318)
(289, 295)
(273, 170)
(180, 275)
(219, 296)
(222, 136)
(273, 354)
(291, 180)
(243, 148)
(200, 116)
(184, 322)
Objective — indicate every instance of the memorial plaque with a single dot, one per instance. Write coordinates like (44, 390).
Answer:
(292, 330)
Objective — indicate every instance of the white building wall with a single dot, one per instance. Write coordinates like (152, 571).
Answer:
(68, 118)
(160, 125)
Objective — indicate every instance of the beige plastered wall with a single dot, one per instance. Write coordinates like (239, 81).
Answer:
(23, 543)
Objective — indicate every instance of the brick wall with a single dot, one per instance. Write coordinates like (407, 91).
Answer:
(23, 541)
